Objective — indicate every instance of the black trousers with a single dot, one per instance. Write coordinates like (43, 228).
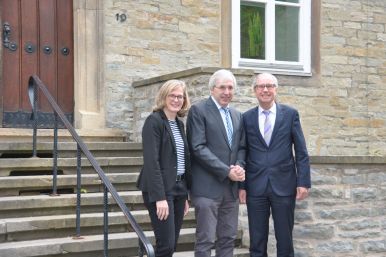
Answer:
(259, 210)
(167, 231)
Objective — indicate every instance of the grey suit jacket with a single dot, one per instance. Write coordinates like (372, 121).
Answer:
(211, 154)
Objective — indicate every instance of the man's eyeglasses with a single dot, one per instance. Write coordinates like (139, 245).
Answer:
(223, 88)
(176, 97)
(268, 86)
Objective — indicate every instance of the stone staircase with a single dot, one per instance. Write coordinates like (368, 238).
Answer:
(34, 223)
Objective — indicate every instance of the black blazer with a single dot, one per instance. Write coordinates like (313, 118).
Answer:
(158, 175)
(284, 163)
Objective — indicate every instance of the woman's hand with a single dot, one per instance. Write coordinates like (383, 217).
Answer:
(186, 209)
(162, 209)
(242, 196)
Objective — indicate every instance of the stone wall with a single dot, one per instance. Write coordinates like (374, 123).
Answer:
(150, 38)
(345, 214)
(351, 98)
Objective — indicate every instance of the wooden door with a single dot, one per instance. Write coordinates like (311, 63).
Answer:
(37, 39)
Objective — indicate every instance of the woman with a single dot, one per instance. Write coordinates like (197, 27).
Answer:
(165, 176)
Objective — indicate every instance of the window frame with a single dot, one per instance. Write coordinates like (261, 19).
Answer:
(302, 67)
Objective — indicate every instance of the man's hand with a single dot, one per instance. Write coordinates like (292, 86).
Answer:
(301, 193)
(242, 195)
(162, 209)
(236, 173)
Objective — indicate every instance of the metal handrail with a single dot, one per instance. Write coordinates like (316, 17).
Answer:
(35, 84)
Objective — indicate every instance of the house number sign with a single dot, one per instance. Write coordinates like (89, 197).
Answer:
(121, 17)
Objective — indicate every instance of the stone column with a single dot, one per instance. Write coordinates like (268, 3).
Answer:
(88, 64)
(226, 34)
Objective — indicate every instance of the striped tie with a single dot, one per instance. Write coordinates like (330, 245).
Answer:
(228, 124)
(267, 127)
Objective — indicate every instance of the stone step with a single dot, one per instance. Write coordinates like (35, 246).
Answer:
(68, 149)
(238, 252)
(40, 227)
(87, 135)
(31, 166)
(40, 184)
(120, 244)
(43, 205)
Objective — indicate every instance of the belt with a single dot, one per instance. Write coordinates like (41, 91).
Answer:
(180, 177)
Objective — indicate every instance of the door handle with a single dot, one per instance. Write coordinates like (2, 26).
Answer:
(6, 37)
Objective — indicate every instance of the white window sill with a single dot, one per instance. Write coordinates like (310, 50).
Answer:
(282, 69)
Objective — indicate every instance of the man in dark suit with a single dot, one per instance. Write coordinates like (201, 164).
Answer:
(214, 134)
(277, 168)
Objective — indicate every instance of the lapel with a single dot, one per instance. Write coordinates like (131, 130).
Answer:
(212, 107)
(256, 125)
(278, 121)
(169, 130)
(235, 123)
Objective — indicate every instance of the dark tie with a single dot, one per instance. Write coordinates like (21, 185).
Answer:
(267, 127)
(228, 125)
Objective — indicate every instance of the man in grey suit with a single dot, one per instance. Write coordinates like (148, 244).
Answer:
(216, 139)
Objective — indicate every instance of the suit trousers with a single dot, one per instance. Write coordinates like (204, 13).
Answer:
(167, 231)
(259, 209)
(216, 219)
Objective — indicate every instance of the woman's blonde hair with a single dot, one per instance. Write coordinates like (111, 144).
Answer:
(164, 91)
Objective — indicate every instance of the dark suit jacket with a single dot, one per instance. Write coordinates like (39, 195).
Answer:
(210, 150)
(158, 175)
(276, 163)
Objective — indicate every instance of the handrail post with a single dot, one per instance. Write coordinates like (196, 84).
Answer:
(105, 222)
(78, 187)
(35, 119)
(55, 157)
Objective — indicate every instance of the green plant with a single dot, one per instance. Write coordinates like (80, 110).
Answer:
(252, 32)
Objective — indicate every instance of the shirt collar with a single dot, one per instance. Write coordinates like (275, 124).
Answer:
(272, 109)
(216, 103)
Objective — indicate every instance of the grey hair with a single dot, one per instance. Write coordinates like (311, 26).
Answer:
(221, 74)
(263, 76)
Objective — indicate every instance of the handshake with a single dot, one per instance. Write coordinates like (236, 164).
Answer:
(236, 173)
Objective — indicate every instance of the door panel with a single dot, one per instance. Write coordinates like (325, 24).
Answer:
(65, 56)
(41, 28)
(47, 50)
(29, 37)
(11, 59)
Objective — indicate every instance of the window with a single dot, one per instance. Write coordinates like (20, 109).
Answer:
(272, 36)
